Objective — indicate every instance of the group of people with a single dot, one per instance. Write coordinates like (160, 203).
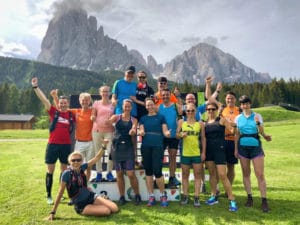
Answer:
(227, 133)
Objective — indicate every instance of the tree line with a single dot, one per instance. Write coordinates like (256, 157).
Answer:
(14, 100)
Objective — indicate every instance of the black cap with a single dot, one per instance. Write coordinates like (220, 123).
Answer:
(162, 79)
(130, 69)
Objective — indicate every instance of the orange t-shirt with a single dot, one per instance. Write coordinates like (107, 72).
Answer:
(230, 113)
(84, 124)
(159, 100)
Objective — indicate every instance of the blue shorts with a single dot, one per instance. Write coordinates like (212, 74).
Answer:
(124, 165)
(250, 152)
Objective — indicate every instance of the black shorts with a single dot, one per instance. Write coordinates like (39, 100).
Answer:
(79, 207)
(152, 160)
(171, 143)
(229, 150)
(216, 153)
(250, 152)
(57, 151)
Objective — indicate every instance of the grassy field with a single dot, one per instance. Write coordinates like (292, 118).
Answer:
(22, 191)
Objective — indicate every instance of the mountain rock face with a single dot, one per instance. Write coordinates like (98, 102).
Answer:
(73, 40)
(153, 66)
(202, 60)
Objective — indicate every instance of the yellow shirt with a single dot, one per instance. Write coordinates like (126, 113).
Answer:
(191, 141)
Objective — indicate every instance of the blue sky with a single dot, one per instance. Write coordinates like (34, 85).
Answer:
(262, 34)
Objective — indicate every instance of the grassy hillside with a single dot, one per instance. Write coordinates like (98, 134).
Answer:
(277, 114)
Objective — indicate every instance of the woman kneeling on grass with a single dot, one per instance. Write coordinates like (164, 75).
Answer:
(74, 179)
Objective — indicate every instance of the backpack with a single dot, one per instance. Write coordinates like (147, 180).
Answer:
(55, 119)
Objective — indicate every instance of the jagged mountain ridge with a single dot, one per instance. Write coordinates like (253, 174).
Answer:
(202, 60)
(73, 40)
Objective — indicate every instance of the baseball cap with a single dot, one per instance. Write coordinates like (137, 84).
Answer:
(130, 69)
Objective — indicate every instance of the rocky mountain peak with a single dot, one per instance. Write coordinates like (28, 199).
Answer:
(202, 60)
(73, 40)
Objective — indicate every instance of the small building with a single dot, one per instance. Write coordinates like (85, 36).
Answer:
(11, 121)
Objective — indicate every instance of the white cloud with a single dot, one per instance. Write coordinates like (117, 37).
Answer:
(12, 49)
(261, 34)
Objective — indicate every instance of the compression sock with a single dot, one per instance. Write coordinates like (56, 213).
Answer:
(49, 181)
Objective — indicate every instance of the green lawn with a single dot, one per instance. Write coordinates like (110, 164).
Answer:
(22, 189)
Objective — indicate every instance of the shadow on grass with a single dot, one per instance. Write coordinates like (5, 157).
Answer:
(282, 211)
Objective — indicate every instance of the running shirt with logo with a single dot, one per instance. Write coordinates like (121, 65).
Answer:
(60, 135)
(191, 141)
(230, 113)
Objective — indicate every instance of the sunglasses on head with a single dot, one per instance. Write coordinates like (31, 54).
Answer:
(211, 109)
(142, 78)
(76, 160)
(192, 110)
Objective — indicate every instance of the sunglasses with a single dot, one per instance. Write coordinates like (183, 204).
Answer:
(162, 83)
(211, 109)
(142, 78)
(190, 110)
(76, 160)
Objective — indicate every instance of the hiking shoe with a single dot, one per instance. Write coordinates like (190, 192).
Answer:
(110, 177)
(50, 200)
(164, 200)
(185, 200)
(232, 206)
(196, 202)
(122, 200)
(151, 201)
(212, 200)
(249, 202)
(137, 199)
(264, 206)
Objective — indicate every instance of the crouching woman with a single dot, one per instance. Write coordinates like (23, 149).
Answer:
(73, 179)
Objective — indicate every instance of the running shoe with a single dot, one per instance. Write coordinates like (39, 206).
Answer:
(50, 200)
(164, 200)
(175, 181)
(185, 200)
(264, 206)
(196, 202)
(110, 177)
(137, 199)
(122, 200)
(212, 200)
(232, 206)
(249, 202)
(151, 201)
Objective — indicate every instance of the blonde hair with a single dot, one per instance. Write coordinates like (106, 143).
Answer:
(85, 95)
(74, 153)
(105, 86)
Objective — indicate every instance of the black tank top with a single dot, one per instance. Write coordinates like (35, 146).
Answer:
(122, 141)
